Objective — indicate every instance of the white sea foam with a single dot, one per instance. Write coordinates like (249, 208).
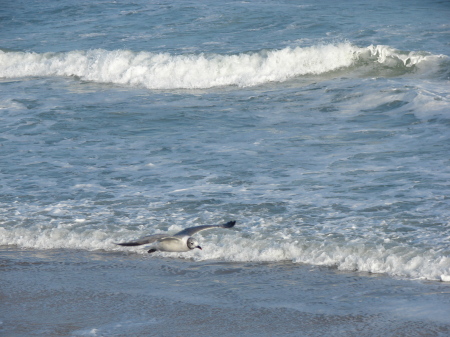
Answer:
(9, 104)
(166, 71)
(409, 262)
(396, 260)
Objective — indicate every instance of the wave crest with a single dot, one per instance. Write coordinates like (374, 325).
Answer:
(166, 71)
(401, 261)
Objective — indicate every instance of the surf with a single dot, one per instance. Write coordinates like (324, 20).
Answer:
(202, 71)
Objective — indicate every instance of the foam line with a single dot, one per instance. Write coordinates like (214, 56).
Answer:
(402, 261)
(166, 71)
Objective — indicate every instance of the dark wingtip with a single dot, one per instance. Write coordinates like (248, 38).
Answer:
(229, 224)
(128, 244)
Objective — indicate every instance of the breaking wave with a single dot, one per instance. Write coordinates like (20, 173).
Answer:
(195, 71)
(395, 260)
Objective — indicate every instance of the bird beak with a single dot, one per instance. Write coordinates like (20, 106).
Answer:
(199, 247)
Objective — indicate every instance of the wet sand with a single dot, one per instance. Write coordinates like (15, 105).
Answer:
(79, 293)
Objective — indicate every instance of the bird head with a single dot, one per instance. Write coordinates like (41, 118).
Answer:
(192, 243)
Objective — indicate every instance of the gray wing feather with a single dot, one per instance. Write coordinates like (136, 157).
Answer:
(185, 232)
(192, 230)
(145, 240)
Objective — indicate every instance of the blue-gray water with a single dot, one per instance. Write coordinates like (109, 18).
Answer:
(322, 127)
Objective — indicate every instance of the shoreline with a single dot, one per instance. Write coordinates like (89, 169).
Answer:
(81, 293)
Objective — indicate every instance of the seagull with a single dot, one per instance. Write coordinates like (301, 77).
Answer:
(179, 242)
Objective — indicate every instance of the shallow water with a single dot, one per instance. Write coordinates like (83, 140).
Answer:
(77, 293)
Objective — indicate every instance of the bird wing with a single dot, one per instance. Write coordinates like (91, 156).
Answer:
(192, 230)
(145, 240)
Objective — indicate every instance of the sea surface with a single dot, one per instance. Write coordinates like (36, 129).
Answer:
(322, 127)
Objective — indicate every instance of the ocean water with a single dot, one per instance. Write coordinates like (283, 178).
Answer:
(321, 127)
